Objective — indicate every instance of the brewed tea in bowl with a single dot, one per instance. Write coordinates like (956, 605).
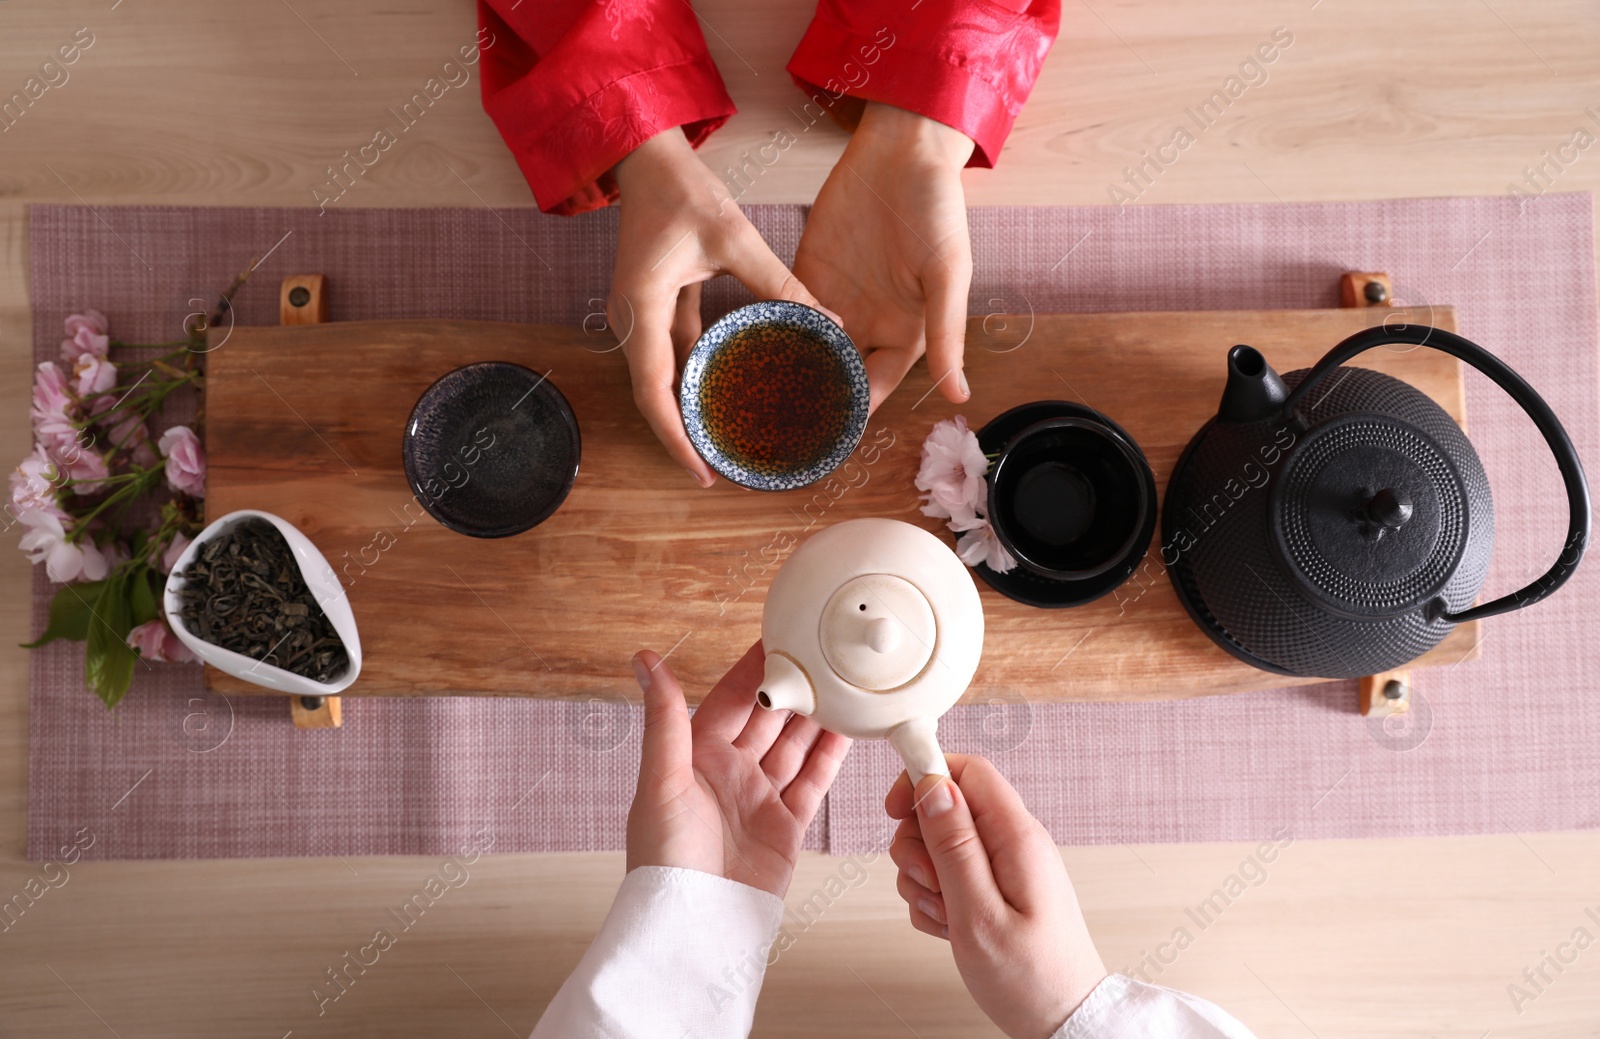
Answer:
(774, 396)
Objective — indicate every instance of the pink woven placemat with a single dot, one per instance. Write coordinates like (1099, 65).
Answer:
(1502, 743)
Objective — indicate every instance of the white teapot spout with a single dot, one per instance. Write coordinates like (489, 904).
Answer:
(785, 687)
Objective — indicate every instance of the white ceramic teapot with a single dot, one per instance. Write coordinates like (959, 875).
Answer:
(873, 628)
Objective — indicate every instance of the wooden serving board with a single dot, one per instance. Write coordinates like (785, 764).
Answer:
(306, 422)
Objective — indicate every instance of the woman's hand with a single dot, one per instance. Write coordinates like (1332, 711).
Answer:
(732, 791)
(886, 246)
(977, 869)
(678, 227)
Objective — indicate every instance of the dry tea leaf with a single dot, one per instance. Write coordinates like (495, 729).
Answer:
(243, 591)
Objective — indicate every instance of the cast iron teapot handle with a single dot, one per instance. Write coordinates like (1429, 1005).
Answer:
(1528, 399)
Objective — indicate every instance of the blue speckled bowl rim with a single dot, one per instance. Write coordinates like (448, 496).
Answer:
(556, 397)
(786, 312)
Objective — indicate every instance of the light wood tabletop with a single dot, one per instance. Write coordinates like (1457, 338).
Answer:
(194, 103)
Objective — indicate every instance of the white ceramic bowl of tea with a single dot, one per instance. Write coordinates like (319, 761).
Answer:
(320, 579)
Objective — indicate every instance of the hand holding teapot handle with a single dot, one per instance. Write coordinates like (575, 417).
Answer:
(919, 749)
(977, 869)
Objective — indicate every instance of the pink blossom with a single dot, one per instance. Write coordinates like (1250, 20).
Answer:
(979, 545)
(169, 558)
(85, 467)
(115, 555)
(53, 411)
(153, 640)
(50, 388)
(130, 434)
(952, 477)
(952, 471)
(146, 639)
(93, 376)
(46, 542)
(960, 516)
(970, 521)
(186, 461)
(33, 484)
(86, 334)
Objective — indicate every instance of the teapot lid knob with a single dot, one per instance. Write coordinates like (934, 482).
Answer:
(878, 632)
(883, 634)
(1389, 509)
(1371, 515)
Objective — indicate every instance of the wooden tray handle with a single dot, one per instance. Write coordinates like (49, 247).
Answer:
(1390, 692)
(303, 300)
(1363, 289)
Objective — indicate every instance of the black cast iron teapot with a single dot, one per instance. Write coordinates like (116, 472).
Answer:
(1336, 522)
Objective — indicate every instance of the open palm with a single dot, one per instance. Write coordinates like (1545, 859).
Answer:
(886, 248)
(732, 791)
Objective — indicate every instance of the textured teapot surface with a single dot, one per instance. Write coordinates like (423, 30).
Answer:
(1331, 542)
(869, 626)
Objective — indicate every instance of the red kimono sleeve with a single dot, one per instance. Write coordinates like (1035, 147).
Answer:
(969, 64)
(575, 85)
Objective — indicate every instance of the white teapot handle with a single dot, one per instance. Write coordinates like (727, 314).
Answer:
(918, 744)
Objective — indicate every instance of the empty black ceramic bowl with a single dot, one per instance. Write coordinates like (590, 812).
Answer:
(491, 449)
(1069, 496)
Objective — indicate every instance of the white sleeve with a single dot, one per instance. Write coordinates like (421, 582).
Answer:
(1121, 1007)
(681, 953)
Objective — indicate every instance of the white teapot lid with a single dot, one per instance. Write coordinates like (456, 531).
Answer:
(878, 632)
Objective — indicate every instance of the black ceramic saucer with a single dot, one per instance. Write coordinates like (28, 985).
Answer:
(491, 449)
(1022, 584)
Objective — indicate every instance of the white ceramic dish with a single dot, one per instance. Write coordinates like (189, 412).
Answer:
(320, 579)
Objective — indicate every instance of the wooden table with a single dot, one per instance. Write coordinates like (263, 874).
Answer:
(203, 104)
(577, 595)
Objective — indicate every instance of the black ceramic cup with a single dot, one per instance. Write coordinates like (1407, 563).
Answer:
(491, 449)
(1069, 496)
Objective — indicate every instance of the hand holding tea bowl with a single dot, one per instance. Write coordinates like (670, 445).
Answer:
(886, 245)
(678, 227)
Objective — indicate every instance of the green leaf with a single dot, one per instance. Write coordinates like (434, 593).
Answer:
(142, 596)
(69, 613)
(108, 661)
